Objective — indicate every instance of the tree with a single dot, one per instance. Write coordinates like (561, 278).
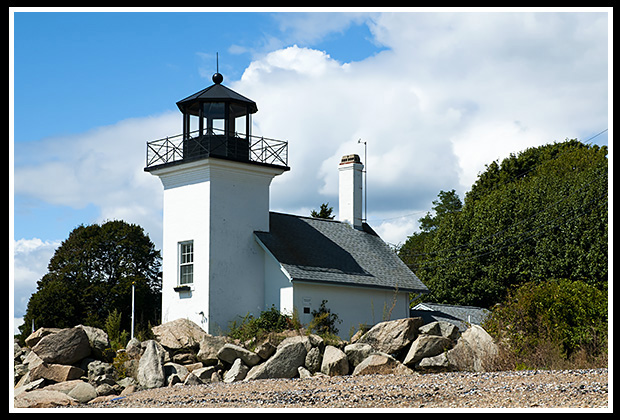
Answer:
(90, 275)
(448, 202)
(413, 251)
(536, 215)
(325, 212)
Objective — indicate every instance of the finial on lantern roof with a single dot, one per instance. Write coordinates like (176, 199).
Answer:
(217, 77)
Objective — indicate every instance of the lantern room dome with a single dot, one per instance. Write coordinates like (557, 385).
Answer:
(216, 93)
(217, 123)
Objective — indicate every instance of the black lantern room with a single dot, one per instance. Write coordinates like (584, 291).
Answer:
(217, 122)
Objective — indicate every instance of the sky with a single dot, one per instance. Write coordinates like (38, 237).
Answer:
(435, 96)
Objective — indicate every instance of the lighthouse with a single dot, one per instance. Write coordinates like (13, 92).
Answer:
(216, 178)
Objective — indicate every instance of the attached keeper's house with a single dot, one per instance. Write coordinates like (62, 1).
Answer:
(226, 255)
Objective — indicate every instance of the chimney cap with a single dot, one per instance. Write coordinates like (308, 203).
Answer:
(350, 159)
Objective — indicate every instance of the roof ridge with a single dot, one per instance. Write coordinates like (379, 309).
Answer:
(305, 217)
(453, 305)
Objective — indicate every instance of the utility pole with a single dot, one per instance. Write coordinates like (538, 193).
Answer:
(133, 294)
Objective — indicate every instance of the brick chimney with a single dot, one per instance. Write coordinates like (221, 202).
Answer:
(350, 190)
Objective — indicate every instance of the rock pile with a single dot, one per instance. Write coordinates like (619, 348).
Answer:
(66, 367)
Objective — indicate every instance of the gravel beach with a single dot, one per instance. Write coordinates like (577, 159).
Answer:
(510, 389)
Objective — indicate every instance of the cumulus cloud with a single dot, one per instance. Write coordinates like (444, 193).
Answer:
(449, 93)
(102, 167)
(31, 257)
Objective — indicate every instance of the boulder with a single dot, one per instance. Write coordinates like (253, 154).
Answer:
(194, 366)
(179, 334)
(304, 373)
(317, 341)
(381, 363)
(204, 374)
(36, 336)
(441, 328)
(175, 373)
(313, 360)
(474, 350)
(237, 372)
(55, 372)
(209, 347)
(265, 350)
(335, 362)
(133, 348)
(303, 339)
(83, 392)
(392, 336)
(192, 380)
(41, 398)
(107, 389)
(101, 373)
(184, 358)
(65, 347)
(38, 384)
(150, 368)
(97, 339)
(439, 363)
(283, 364)
(32, 360)
(230, 352)
(357, 352)
(19, 371)
(426, 346)
(65, 386)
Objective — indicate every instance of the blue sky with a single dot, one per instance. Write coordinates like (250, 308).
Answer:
(92, 69)
(436, 96)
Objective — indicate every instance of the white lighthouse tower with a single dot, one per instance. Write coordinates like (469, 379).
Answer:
(216, 179)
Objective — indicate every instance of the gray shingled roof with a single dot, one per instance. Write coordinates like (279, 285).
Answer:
(461, 316)
(328, 251)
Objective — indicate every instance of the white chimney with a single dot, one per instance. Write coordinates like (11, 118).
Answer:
(350, 190)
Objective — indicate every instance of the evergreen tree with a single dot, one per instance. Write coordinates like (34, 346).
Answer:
(325, 212)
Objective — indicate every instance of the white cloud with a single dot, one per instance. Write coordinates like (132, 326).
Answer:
(103, 167)
(453, 92)
(450, 93)
(31, 257)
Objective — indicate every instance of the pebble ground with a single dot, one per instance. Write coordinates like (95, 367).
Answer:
(510, 389)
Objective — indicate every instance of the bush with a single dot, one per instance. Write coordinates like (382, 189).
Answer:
(552, 325)
(268, 321)
(118, 338)
(323, 321)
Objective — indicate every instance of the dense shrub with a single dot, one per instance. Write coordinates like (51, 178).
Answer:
(552, 324)
(268, 321)
(324, 323)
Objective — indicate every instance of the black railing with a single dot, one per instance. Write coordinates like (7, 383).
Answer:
(241, 148)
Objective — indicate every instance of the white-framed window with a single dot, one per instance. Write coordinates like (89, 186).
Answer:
(186, 262)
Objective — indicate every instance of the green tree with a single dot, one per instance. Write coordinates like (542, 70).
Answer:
(90, 276)
(325, 212)
(414, 251)
(448, 202)
(537, 215)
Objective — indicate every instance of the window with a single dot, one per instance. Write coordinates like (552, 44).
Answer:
(186, 262)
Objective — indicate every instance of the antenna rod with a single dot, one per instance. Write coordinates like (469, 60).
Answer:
(217, 63)
(365, 171)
